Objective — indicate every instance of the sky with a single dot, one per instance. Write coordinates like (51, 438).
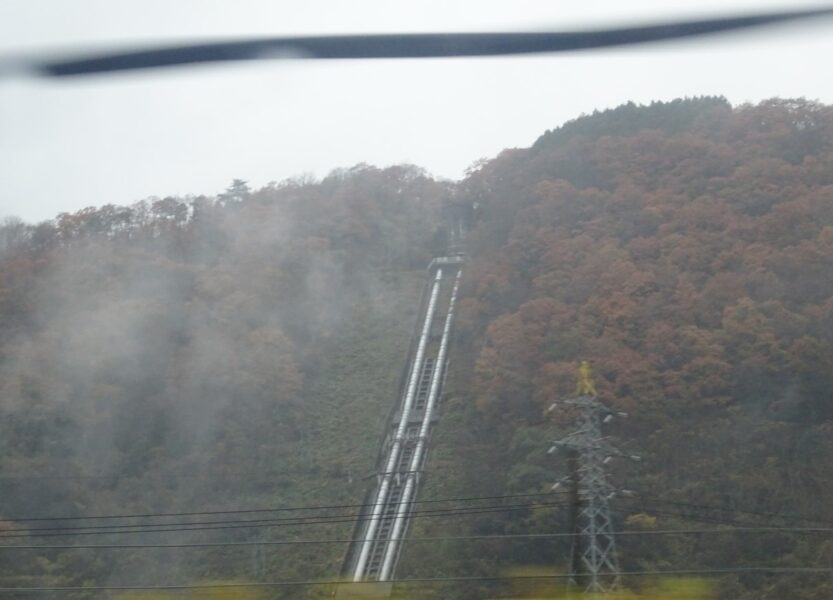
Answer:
(66, 145)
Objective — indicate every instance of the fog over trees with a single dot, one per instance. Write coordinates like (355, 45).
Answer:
(242, 351)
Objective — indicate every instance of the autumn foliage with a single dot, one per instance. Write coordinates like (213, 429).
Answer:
(685, 250)
(242, 350)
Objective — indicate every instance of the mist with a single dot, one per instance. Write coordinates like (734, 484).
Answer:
(166, 355)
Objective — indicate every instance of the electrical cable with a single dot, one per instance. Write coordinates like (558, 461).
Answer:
(692, 516)
(737, 510)
(314, 520)
(298, 521)
(681, 515)
(654, 499)
(320, 519)
(324, 519)
(487, 537)
(411, 580)
(267, 510)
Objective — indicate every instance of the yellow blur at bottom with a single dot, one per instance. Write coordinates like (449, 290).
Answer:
(365, 591)
(532, 584)
(676, 589)
(523, 584)
(218, 593)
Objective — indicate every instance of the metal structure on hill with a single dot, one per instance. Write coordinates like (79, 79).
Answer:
(594, 565)
(383, 523)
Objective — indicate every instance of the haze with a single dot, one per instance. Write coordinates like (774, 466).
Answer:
(71, 144)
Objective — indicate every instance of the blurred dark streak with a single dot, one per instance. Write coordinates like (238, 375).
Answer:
(388, 46)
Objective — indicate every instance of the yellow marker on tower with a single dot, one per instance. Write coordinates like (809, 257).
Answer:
(584, 381)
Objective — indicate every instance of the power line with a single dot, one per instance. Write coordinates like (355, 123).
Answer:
(694, 517)
(324, 519)
(300, 519)
(126, 477)
(143, 477)
(433, 501)
(267, 510)
(321, 520)
(681, 515)
(737, 510)
(409, 580)
(650, 499)
(241, 478)
(296, 521)
(502, 536)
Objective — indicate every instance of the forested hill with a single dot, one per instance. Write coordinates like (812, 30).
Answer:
(204, 354)
(686, 251)
(690, 261)
(242, 351)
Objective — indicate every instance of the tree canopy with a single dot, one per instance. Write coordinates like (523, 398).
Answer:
(243, 350)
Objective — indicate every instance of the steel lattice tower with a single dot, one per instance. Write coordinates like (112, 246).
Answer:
(594, 563)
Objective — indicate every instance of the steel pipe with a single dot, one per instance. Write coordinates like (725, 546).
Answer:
(393, 455)
(416, 460)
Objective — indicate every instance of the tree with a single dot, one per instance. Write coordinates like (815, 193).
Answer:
(236, 193)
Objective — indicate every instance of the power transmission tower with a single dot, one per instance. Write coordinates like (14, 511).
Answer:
(594, 564)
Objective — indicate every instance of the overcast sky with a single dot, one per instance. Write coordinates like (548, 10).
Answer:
(65, 145)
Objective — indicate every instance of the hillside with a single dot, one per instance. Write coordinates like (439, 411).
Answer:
(198, 354)
(686, 251)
